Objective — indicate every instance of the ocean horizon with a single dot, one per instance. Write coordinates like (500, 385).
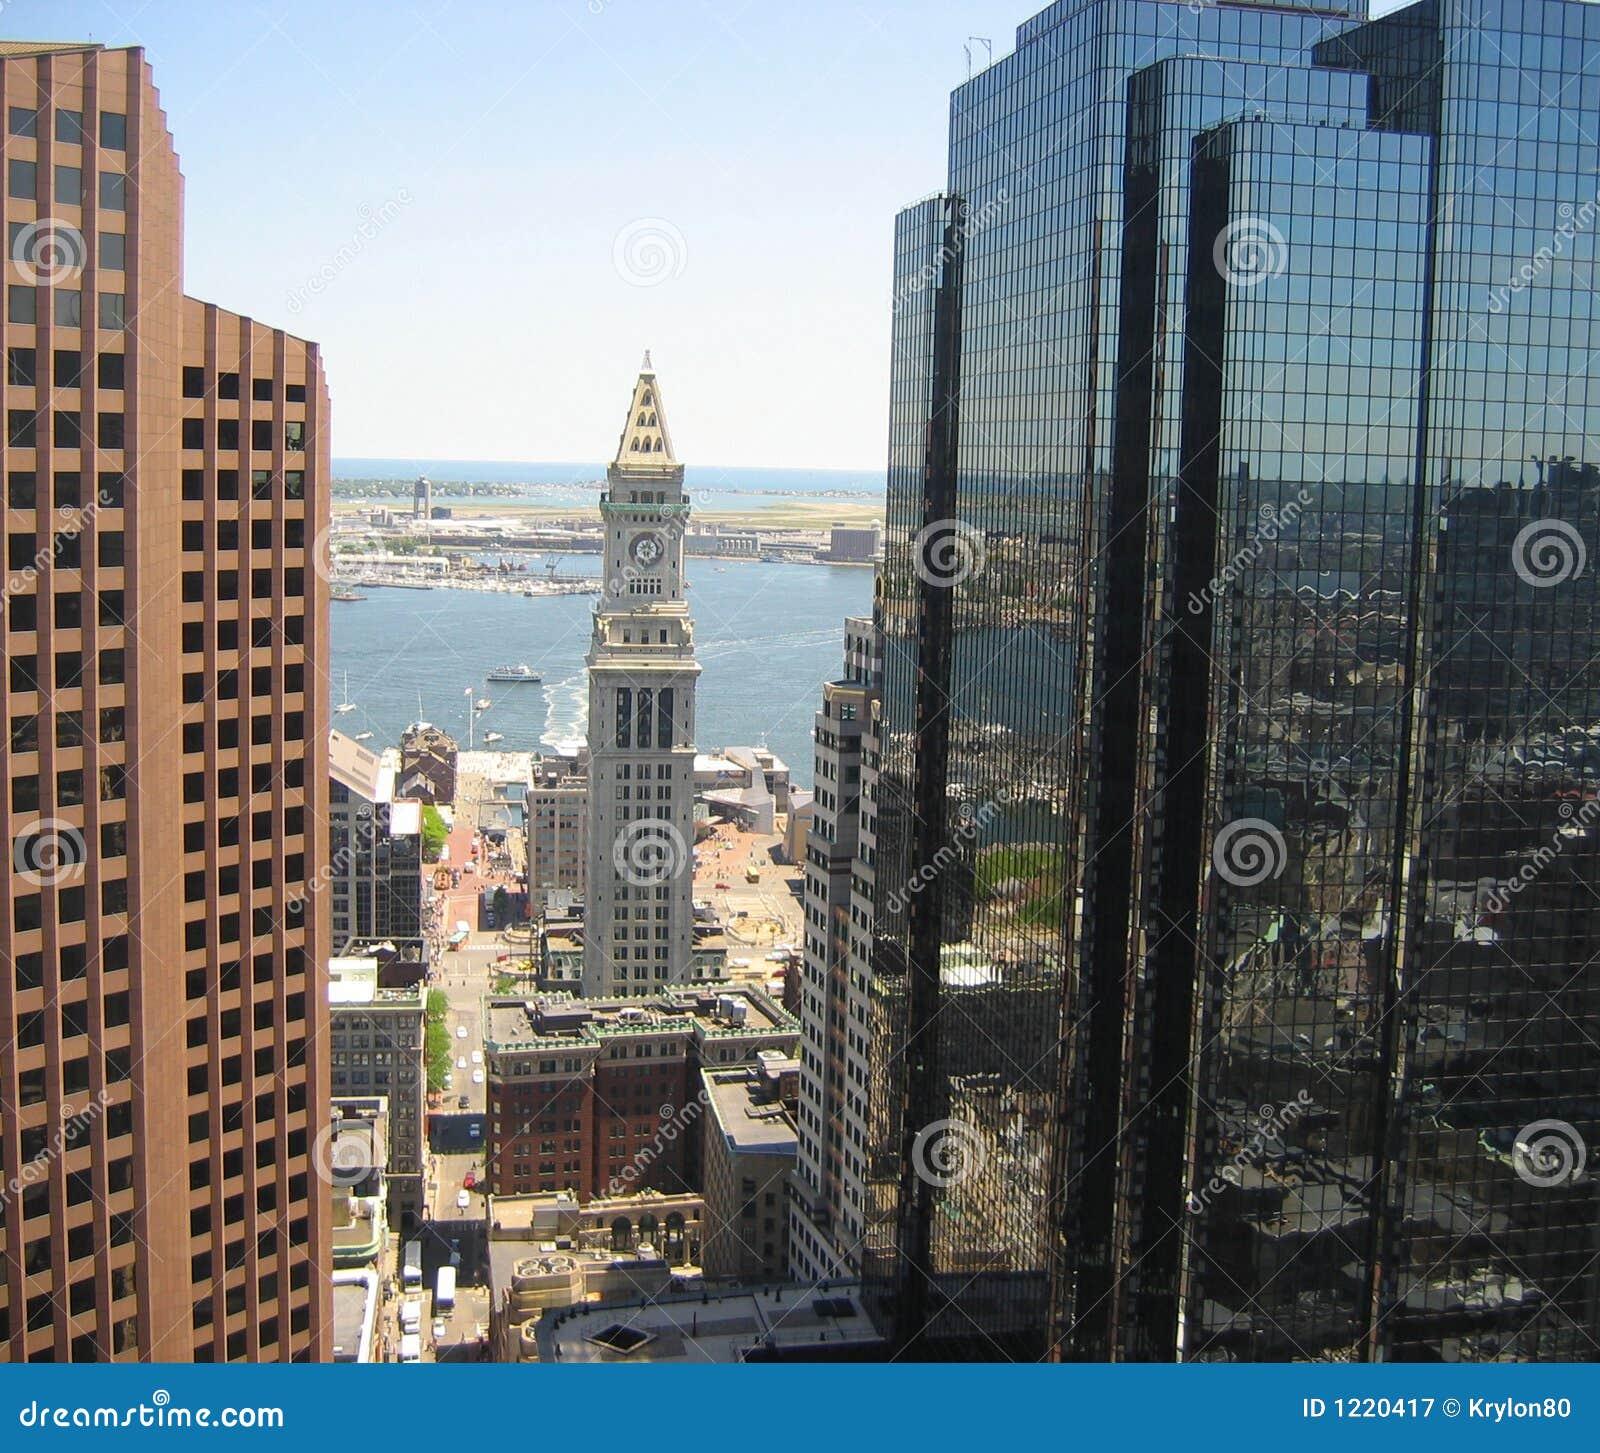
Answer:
(717, 478)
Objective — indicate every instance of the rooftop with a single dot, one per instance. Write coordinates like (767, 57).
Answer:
(715, 1009)
(363, 772)
(735, 1326)
(751, 1122)
(355, 981)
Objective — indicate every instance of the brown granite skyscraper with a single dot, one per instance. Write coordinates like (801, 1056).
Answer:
(164, 705)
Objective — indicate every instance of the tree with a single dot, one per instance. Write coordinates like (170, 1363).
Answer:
(434, 833)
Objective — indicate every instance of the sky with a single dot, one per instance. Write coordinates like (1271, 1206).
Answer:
(484, 213)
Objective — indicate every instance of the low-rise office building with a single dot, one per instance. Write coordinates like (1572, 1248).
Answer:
(602, 1096)
(747, 1157)
(377, 1039)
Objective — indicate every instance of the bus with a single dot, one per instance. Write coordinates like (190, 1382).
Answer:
(444, 1296)
(411, 1266)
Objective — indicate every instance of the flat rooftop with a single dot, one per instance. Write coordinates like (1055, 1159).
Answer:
(354, 981)
(750, 1122)
(556, 1017)
(710, 1328)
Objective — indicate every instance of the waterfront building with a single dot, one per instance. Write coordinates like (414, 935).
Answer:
(164, 1065)
(828, 1207)
(555, 825)
(1234, 973)
(639, 925)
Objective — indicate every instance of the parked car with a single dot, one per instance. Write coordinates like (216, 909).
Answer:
(477, 1056)
(463, 1200)
(464, 1103)
(461, 1031)
(477, 1077)
(469, 1180)
(461, 1062)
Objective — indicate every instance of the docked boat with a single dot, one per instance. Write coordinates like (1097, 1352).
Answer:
(346, 704)
(343, 593)
(522, 672)
(483, 703)
(494, 736)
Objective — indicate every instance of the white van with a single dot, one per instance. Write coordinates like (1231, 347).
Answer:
(411, 1348)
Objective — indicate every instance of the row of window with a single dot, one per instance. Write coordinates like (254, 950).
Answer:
(261, 389)
(22, 307)
(22, 183)
(72, 906)
(226, 484)
(24, 241)
(66, 429)
(22, 368)
(69, 128)
(261, 431)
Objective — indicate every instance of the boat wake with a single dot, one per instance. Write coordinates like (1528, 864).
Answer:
(566, 721)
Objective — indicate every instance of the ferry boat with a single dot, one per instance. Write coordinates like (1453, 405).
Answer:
(523, 672)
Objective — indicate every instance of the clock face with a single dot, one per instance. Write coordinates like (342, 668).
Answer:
(646, 549)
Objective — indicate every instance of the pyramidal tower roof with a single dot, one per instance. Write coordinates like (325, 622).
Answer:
(645, 442)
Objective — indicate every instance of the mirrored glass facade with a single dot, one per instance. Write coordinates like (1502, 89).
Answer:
(1237, 860)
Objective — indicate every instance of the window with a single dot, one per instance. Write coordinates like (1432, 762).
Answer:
(194, 433)
(69, 307)
(23, 121)
(111, 310)
(261, 390)
(22, 179)
(194, 382)
(69, 182)
(110, 373)
(113, 192)
(294, 434)
(20, 428)
(109, 431)
(22, 304)
(113, 251)
(69, 127)
(67, 432)
(20, 366)
(68, 364)
(113, 131)
(295, 393)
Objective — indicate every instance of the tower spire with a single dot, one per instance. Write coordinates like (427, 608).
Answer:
(645, 442)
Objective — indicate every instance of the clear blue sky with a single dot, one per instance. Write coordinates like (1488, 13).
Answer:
(487, 318)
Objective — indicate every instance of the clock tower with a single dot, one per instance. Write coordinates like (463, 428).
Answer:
(639, 913)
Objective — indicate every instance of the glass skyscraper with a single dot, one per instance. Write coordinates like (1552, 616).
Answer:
(1233, 989)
